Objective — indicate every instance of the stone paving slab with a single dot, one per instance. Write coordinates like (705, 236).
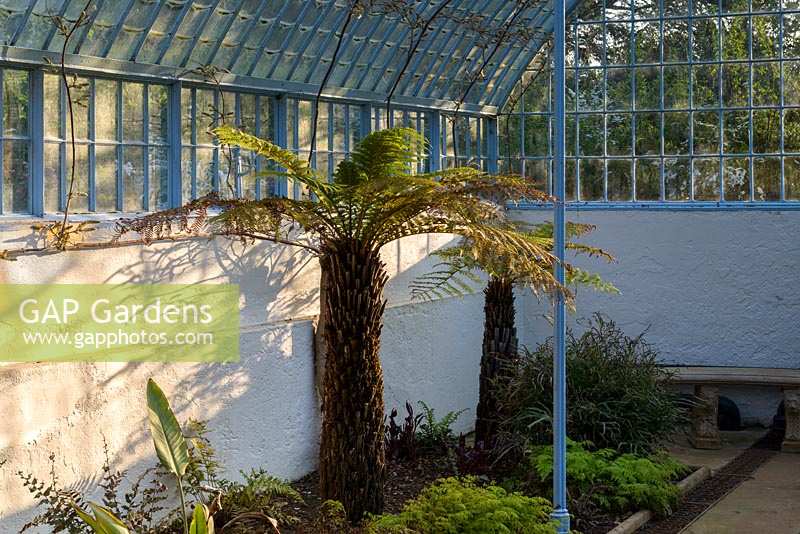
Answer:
(769, 503)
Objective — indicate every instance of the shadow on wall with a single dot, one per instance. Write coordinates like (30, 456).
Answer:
(262, 411)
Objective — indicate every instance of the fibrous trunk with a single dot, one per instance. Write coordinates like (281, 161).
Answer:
(352, 464)
(499, 350)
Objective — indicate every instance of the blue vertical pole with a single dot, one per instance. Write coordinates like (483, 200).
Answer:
(560, 512)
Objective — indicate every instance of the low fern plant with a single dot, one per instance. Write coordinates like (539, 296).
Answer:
(461, 506)
(609, 481)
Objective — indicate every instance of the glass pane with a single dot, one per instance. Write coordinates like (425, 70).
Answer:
(591, 179)
(205, 171)
(648, 88)
(105, 178)
(15, 103)
(159, 116)
(676, 87)
(618, 43)
(791, 178)
(735, 84)
(187, 167)
(737, 132)
(80, 183)
(536, 135)
(735, 6)
(79, 90)
(618, 9)
(591, 135)
(648, 133)
(339, 127)
(766, 131)
(132, 111)
(619, 179)
(52, 106)
(159, 187)
(734, 37)
(791, 130)
(304, 126)
(705, 7)
(648, 42)
(705, 86)
(186, 116)
(705, 42)
(791, 83)
(767, 185)
(619, 135)
(766, 84)
(620, 94)
(355, 126)
(676, 7)
(676, 179)
(590, 44)
(52, 180)
(676, 133)
(247, 112)
(737, 179)
(133, 178)
(676, 42)
(537, 171)
(648, 179)
(105, 110)
(706, 179)
(766, 36)
(706, 132)
(15, 177)
(267, 124)
(590, 90)
(791, 35)
(206, 116)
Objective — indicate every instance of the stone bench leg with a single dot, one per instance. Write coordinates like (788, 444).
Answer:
(705, 431)
(791, 404)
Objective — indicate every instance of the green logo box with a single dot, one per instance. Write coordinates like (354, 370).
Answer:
(118, 323)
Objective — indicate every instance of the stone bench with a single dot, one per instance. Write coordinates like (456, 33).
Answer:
(706, 381)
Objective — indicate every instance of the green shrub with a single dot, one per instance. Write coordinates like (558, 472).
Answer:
(609, 481)
(461, 506)
(617, 394)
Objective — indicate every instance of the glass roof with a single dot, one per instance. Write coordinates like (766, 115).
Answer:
(293, 41)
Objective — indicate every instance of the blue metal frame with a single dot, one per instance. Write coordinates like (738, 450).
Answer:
(560, 512)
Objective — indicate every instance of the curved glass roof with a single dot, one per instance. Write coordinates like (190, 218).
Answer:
(288, 44)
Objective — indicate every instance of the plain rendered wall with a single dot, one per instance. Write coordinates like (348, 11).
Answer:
(263, 411)
(710, 288)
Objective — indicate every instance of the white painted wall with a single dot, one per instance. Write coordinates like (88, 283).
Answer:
(262, 410)
(711, 288)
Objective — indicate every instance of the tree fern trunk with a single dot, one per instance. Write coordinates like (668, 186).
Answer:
(499, 349)
(352, 465)
(319, 325)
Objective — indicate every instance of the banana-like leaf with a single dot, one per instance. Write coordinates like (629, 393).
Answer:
(167, 434)
(104, 520)
(108, 521)
(202, 523)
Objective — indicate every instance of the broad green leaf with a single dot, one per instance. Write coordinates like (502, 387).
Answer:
(201, 522)
(108, 521)
(89, 520)
(167, 434)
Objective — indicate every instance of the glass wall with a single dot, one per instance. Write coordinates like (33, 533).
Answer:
(669, 101)
(208, 167)
(14, 141)
(121, 140)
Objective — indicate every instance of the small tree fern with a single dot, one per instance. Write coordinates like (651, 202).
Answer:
(459, 272)
(373, 200)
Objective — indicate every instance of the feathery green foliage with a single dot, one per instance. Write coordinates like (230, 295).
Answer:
(461, 506)
(458, 272)
(611, 481)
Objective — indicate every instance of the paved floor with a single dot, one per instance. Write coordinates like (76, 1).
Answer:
(768, 503)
